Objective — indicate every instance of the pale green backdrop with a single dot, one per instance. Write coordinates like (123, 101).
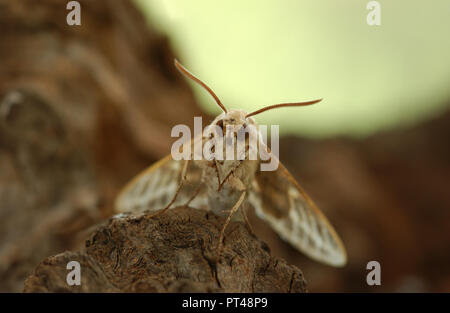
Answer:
(255, 53)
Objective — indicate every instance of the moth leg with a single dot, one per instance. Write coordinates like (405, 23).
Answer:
(232, 211)
(244, 214)
(174, 198)
(197, 190)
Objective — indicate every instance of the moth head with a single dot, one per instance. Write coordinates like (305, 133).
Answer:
(235, 117)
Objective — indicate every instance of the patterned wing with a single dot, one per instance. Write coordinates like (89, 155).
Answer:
(279, 200)
(154, 188)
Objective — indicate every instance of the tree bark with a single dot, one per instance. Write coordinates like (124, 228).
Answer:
(170, 252)
(82, 110)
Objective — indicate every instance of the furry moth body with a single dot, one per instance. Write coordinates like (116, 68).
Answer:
(228, 186)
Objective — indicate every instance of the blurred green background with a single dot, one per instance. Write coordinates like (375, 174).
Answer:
(255, 53)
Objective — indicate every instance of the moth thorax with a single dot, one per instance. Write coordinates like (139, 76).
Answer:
(232, 142)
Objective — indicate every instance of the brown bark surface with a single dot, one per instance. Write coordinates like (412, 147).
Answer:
(170, 252)
(82, 110)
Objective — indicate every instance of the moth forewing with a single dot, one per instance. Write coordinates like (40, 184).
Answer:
(281, 202)
(155, 187)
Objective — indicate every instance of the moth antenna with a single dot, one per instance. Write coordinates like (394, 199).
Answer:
(295, 104)
(188, 74)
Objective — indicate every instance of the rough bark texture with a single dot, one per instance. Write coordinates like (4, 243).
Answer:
(82, 110)
(171, 252)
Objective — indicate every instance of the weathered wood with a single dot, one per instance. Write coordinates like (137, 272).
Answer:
(170, 252)
(82, 110)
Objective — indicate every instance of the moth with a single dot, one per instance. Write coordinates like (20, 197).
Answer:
(228, 187)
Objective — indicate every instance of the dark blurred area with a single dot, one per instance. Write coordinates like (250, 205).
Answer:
(388, 197)
(83, 111)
